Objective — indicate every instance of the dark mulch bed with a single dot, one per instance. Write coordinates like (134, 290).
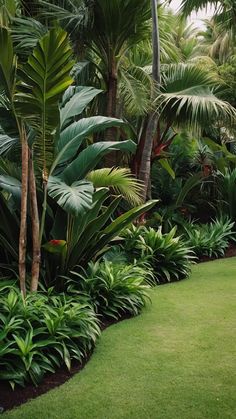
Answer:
(10, 399)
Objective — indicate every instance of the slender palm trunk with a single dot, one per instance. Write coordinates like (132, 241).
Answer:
(112, 92)
(111, 133)
(36, 256)
(23, 221)
(145, 165)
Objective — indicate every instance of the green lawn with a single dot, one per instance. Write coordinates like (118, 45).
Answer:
(176, 360)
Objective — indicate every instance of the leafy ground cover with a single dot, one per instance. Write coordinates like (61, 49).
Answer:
(176, 360)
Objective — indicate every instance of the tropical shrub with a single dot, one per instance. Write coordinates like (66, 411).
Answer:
(168, 255)
(113, 289)
(41, 333)
(227, 193)
(210, 239)
(175, 197)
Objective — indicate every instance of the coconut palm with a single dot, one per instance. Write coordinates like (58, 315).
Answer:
(217, 41)
(225, 10)
(187, 39)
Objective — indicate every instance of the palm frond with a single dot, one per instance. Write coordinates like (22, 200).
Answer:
(26, 32)
(188, 96)
(45, 77)
(120, 180)
(135, 88)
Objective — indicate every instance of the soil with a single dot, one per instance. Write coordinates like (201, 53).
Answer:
(10, 398)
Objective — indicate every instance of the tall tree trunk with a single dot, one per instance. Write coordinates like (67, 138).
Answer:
(112, 90)
(136, 160)
(111, 133)
(23, 219)
(36, 256)
(145, 166)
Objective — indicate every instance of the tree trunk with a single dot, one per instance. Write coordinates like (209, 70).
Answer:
(136, 160)
(23, 219)
(145, 166)
(111, 133)
(36, 256)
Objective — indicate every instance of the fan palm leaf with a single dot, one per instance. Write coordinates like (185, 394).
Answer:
(225, 10)
(188, 96)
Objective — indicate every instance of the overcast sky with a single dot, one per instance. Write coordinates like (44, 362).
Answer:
(196, 18)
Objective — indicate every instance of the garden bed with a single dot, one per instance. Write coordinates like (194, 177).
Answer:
(10, 399)
(230, 252)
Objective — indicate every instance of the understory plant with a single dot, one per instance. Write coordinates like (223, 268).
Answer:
(227, 193)
(210, 239)
(168, 255)
(113, 289)
(41, 333)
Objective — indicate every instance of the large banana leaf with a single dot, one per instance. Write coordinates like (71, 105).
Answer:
(91, 156)
(74, 199)
(44, 78)
(72, 136)
(78, 102)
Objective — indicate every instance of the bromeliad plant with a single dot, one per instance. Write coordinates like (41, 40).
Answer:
(168, 255)
(210, 239)
(113, 289)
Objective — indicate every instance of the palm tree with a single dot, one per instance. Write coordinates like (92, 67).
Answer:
(225, 10)
(145, 164)
(218, 42)
(116, 27)
(187, 39)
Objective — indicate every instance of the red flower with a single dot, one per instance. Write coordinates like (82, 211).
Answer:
(55, 242)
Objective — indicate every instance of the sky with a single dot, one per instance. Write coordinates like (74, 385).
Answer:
(196, 18)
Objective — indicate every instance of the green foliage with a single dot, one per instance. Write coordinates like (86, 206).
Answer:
(175, 196)
(7, 64)
(228, 72)
(113, 289)
(227, 193)
(41, 333)
(168, 255)
(210, 239)
(120, 181)
(44, 78)
(90, 234)
(189, 97)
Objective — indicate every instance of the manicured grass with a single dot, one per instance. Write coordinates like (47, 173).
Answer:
(176, 360)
